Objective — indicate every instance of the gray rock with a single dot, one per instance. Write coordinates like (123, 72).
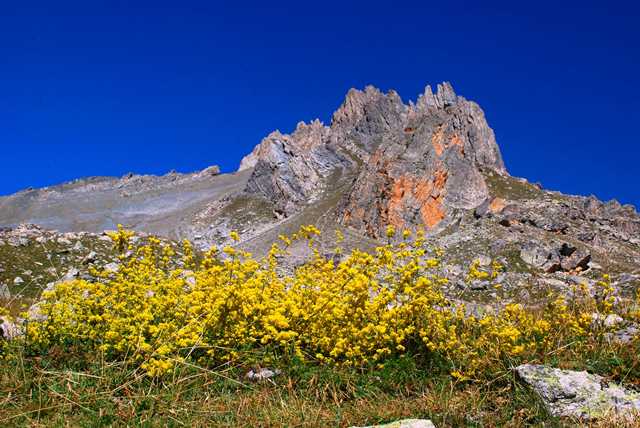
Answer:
(483, 260)
(405, 423)
(210, 171)
(579, 395)
(608, 321)
(9, 330)
(5, 293)
(112, 267)
(535, 254)
(90, 258)
(34, 314)
(625, 335)
(573, 258)
(262, 374)
(479, 285)
(71, 275)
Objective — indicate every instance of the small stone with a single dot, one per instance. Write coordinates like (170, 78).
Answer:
(8, 329)
(112, 267)
(71, 275)
(262, 374)
(4, 292)
(483, 260)
(90, 258)
(608, 321)
(405, 423)
(479, 285)
(18, 280)
(538, 256)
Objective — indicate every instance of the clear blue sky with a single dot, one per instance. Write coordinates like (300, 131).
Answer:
(104, 88)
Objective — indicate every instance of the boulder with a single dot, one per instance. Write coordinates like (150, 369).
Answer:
(578, 394)
(578, 259)
(211, 171)
(536, 255)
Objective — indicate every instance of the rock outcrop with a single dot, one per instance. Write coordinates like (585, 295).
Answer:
(290, 170)
(414, 165)
(425, 167)
(579, 395)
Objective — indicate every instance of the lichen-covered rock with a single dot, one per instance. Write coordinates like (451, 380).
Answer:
(579, 395)
(405, 423)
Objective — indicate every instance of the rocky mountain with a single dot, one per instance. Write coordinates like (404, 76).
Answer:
(433, 164)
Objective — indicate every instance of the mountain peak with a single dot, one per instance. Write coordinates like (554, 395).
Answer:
(403, 158)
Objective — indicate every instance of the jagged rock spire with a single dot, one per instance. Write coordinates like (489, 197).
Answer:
(414, 164)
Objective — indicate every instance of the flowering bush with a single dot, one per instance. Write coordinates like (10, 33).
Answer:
(227, 306)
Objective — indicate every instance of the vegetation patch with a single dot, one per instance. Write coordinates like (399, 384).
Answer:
(368, 339)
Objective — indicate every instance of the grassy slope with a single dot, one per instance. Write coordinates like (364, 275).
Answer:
(36, 395)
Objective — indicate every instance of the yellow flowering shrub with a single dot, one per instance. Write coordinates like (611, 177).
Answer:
(227, 306)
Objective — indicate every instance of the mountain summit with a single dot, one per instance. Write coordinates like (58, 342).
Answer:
(408, 165)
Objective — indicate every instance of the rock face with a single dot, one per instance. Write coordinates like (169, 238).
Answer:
(578, 395)
(425, 167)
(414, 165)
(290, 169)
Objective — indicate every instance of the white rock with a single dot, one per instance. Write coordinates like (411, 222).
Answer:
(610, 320)
(262, 374)
(112, 267)
(18, 280)
(8, 329)
(90, 258)
(483, 260)
(71, 274)
(405, 423)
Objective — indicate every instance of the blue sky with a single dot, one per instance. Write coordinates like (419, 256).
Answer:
(104, 88)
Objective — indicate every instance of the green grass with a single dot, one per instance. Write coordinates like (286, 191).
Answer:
(56, 392)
